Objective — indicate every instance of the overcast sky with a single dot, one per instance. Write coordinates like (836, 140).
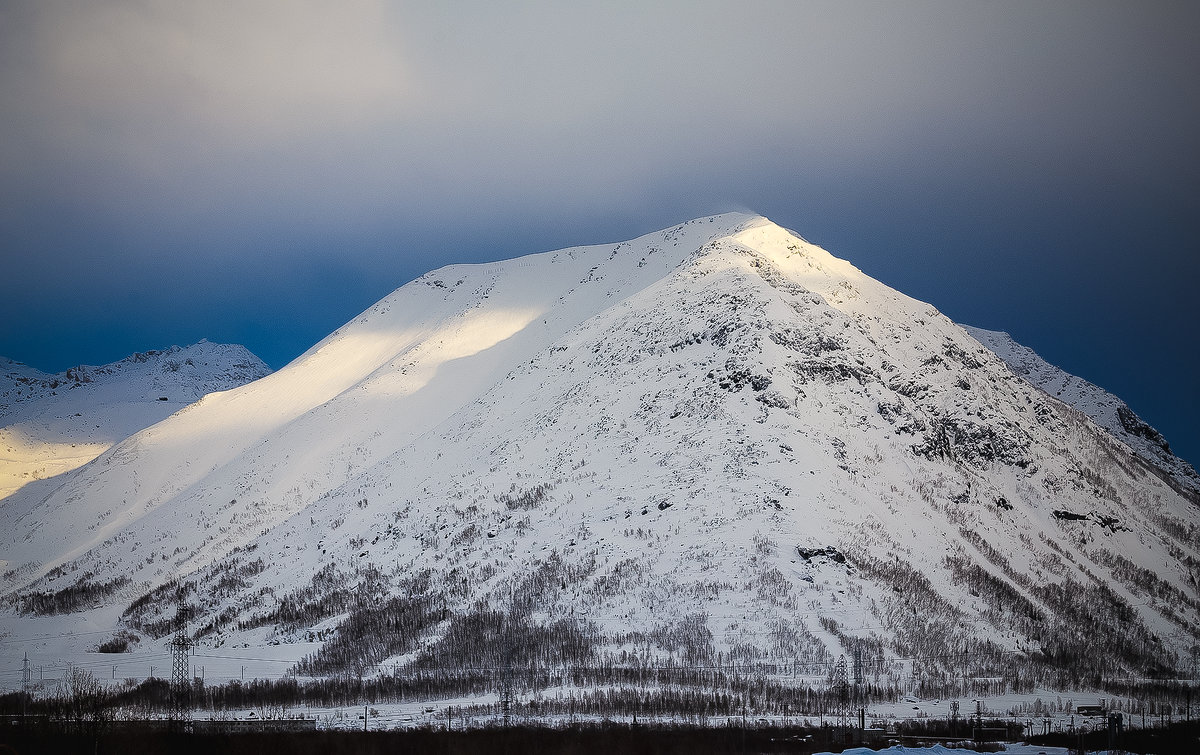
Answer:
(261, 172)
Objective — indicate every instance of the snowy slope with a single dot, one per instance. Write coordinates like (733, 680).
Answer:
(361, 392)
(713, 442)
(51, 424)
(1104, 408)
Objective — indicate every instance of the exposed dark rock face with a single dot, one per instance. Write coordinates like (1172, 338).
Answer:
(1134, 425)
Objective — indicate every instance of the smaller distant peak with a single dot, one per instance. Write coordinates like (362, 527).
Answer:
(206, 345)
(13, 367)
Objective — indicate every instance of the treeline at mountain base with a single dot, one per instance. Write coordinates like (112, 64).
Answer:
(692, 695)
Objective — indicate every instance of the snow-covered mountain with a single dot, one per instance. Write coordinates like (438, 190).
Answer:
(1104, 408)
(716, 442)
(51, 424)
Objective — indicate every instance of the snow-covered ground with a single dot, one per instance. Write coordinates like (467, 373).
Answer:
(716, 441)
(50, 659)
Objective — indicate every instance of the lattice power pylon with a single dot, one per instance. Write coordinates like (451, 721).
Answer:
(26, 682)
(181, 681)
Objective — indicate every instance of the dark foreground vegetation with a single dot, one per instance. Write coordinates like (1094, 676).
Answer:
(601, 739)
(1181, 737)
(578, 740)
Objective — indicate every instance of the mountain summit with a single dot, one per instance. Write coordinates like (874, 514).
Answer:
(715, 443)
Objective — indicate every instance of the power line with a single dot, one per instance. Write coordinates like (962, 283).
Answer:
(243, 658)
(60, 636)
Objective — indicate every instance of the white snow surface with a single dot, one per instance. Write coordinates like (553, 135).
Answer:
(660, 425)
(52, 424)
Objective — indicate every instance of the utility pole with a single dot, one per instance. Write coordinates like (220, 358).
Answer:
(1195, 669)
(858, 683)
(858, 673)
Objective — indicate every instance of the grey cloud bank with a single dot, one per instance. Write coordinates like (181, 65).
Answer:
(260, 172)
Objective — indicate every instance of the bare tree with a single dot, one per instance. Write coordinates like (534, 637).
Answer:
(86, 701)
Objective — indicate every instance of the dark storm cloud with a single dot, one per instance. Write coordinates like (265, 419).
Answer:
(225, 164)
(337, 114)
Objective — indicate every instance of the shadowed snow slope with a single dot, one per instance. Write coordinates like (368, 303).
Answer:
(694, 443)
